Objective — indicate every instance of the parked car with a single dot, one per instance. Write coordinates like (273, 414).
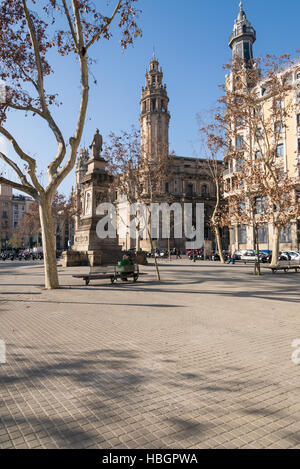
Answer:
(249, 255)
(268, 254)
(196, 254)
(290, 255)
(216, 256)
(238, 254)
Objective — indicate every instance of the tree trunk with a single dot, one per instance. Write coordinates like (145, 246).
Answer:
(138, 239)
(213, 219)
(275, 247)
(153, 254)
(257, 270)
(49, 252)
(151, 244)
(219, 243)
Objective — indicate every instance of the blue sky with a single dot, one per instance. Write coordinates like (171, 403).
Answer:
(190, 39)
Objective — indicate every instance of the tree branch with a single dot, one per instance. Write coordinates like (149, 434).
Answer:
(70, 25)
(26, 108)
(16, 168)
(28, 77)
(105, 28)
(31, 162)
(75, 140)
(34, 42)
(30, 191)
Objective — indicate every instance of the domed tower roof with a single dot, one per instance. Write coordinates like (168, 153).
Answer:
(242, 38)
(241, 14)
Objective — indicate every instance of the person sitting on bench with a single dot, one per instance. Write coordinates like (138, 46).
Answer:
(124, 267)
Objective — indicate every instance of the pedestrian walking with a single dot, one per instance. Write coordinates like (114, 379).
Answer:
(232, 259)
(178, 254)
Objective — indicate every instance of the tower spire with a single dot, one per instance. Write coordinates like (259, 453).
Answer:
(154, 117)
(242, 38)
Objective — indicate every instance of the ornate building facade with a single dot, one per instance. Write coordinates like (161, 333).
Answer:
(287, 155)
(189, 179)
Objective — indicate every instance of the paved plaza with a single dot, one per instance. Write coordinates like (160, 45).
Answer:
(200, 360)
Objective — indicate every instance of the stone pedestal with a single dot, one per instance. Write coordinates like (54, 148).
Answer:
(141, 258)
(88, 248)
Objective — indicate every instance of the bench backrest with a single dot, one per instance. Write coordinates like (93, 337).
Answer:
(287, 264)
(102, 269)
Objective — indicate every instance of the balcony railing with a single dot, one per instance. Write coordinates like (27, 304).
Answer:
(241, 31)
(227, 172)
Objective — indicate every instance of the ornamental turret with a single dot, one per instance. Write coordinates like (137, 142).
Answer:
(242, 39)
(154, 117)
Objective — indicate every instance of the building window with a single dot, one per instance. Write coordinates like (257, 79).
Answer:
(167, 187)
(278, 127)
(257, 155)
(204, 191)
(280, 150)
(258, 132)
(263, 91)
(247, 56)
(242, 208)
(298, 120)
(239, 142)
(263, 233)
(259, 205)
(190, 188)
(298, 76)
(242, 234)
(239, 165)
(286, 234)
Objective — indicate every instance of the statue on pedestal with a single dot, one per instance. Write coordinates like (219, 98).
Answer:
(96, 145)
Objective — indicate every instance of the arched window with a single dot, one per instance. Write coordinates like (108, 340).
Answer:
(204, 190)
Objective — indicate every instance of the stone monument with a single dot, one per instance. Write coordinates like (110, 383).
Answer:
(92, 184)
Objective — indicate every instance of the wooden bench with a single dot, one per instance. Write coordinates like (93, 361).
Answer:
(112, 272)
(286, 266)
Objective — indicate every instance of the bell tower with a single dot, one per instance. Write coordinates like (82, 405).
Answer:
(154, 117)
(242, 38)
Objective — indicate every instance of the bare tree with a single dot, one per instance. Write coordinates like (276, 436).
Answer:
(26, 38)
(62, 211)
(213, 141)
(137, 177)
(258, 106)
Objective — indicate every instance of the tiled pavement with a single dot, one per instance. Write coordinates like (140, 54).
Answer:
(202, 360)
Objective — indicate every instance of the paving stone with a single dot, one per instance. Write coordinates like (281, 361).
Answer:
(202, 360)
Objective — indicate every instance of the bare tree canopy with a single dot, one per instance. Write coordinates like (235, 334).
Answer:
(257, 111)
(29, 30)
